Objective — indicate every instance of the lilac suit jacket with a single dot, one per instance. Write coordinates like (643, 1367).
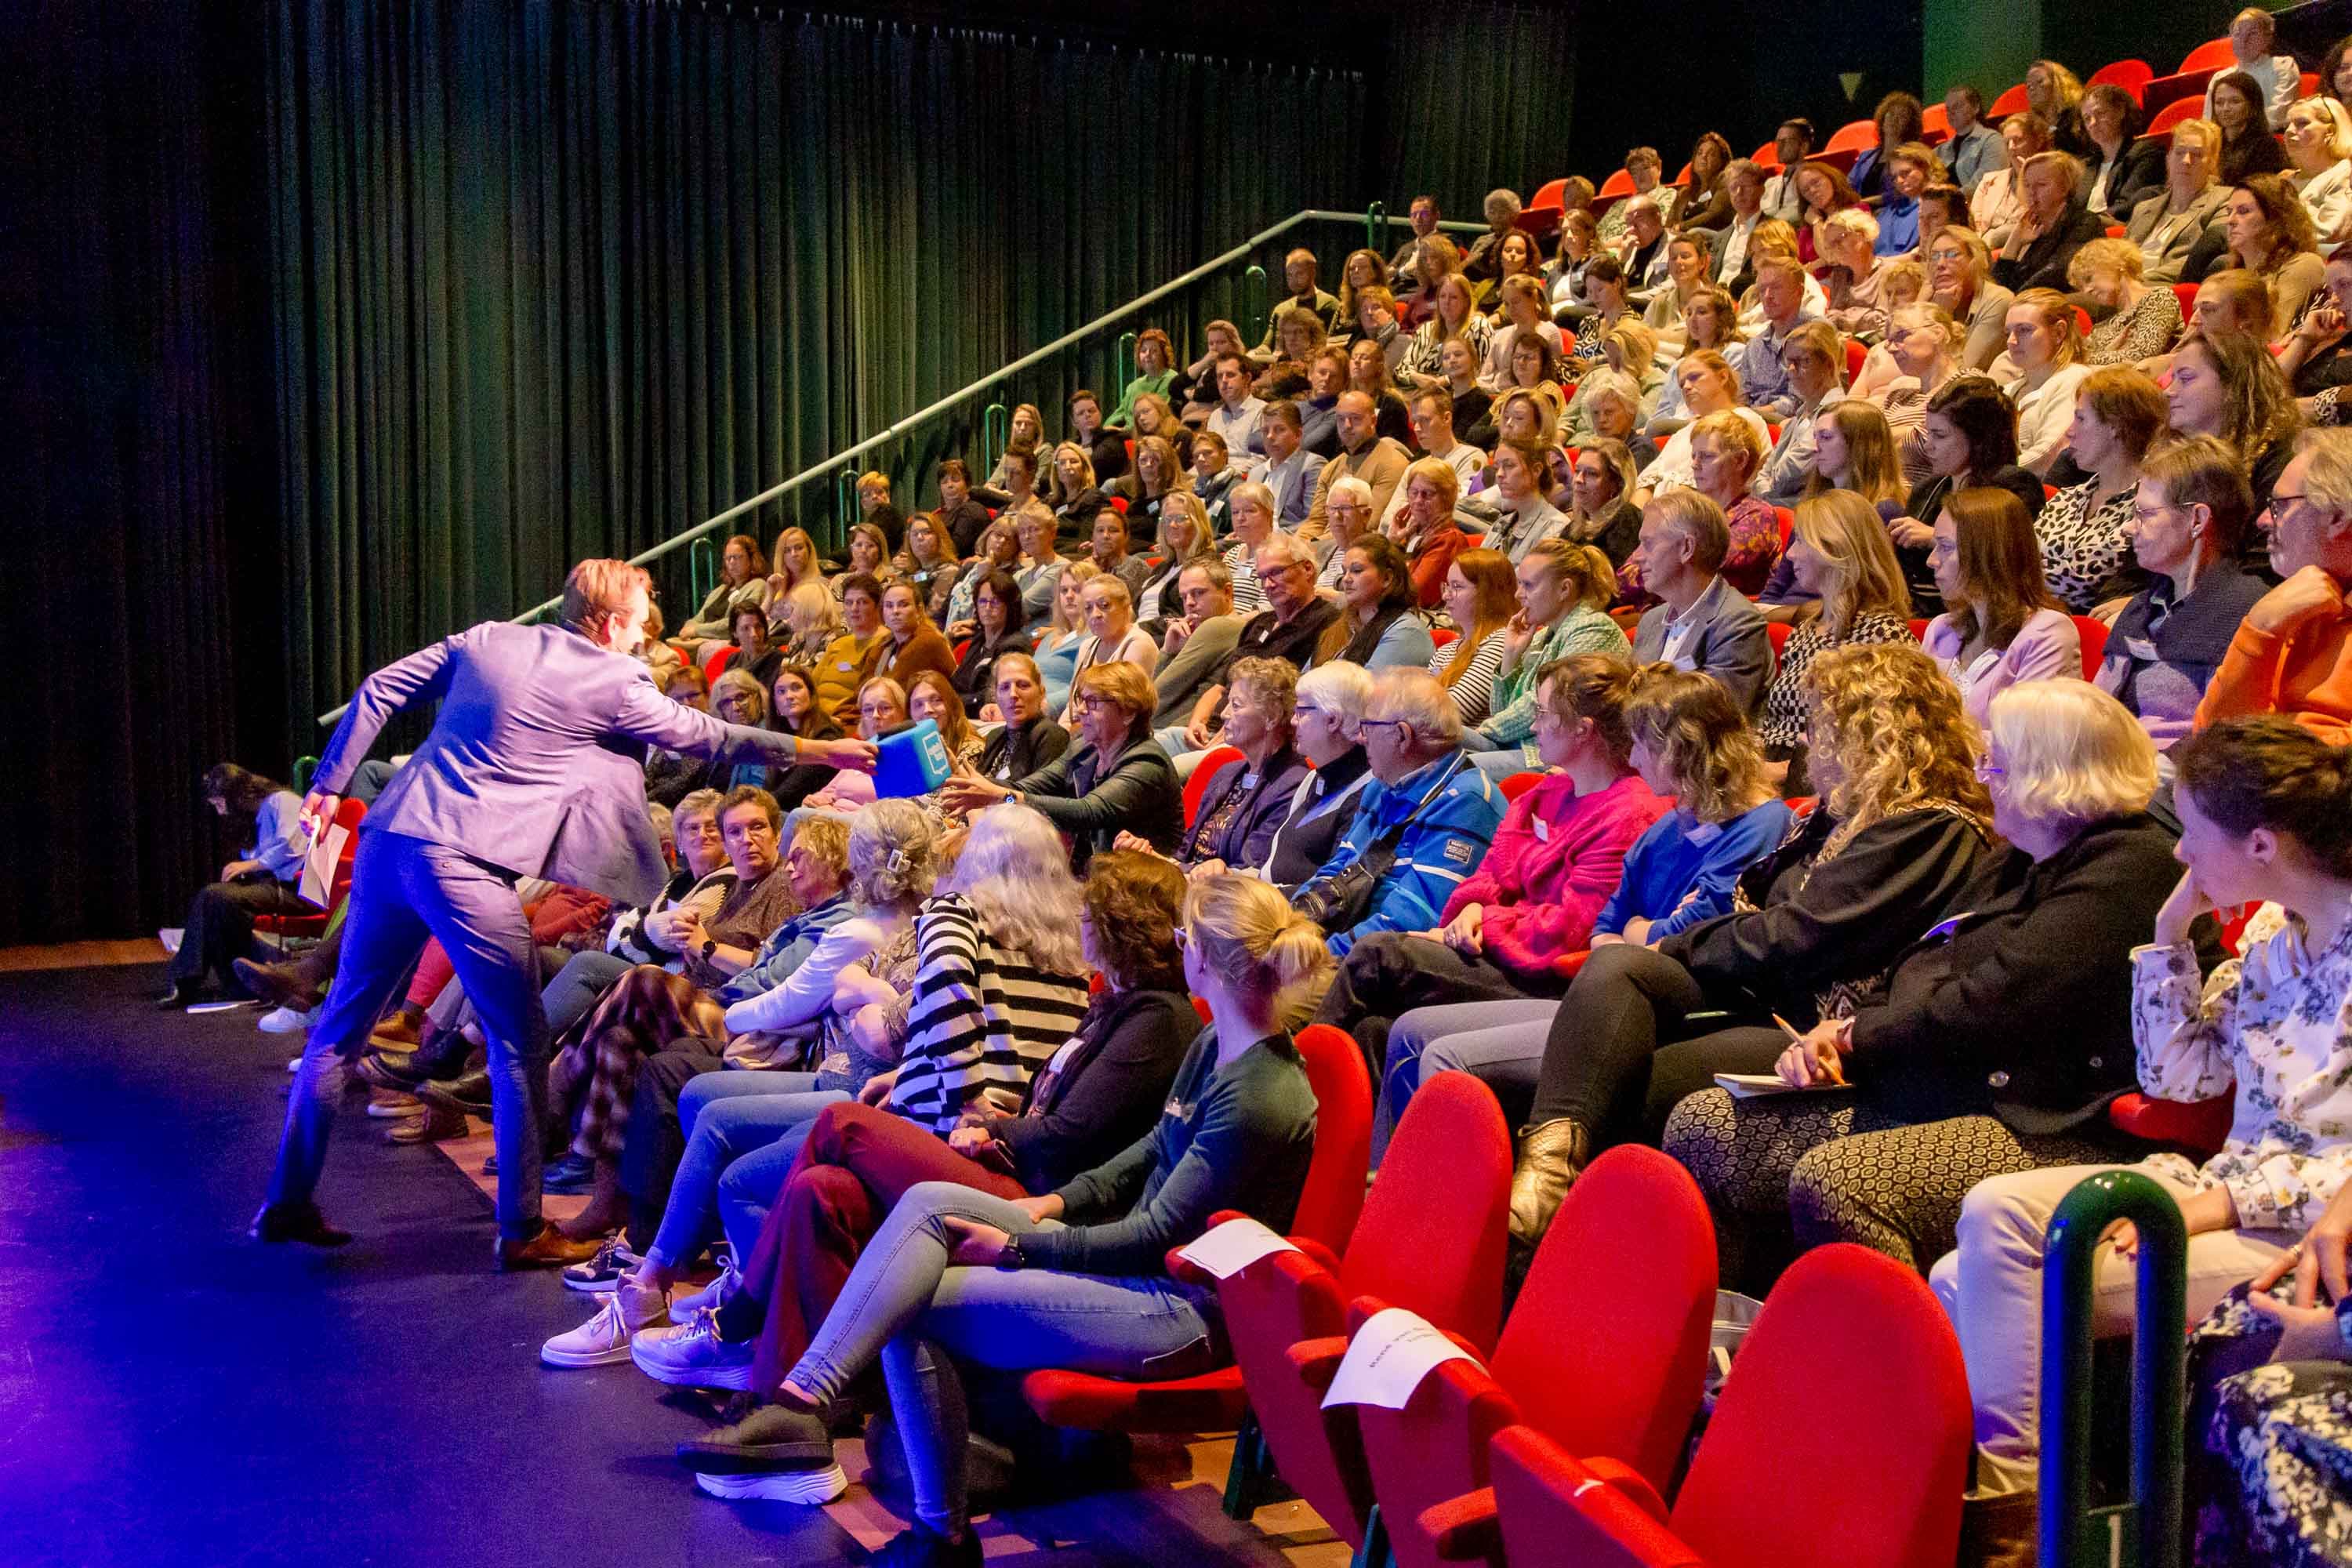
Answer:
(536, 764)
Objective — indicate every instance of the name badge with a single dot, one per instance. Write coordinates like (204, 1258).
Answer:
(1543, 831)
(2141, 649)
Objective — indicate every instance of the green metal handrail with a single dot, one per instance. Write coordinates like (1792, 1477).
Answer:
(1376, 218)
(702, 569)
(2144, 1529)
(996, 436)
(994, 380)
(1254, 294)
(1122, 368)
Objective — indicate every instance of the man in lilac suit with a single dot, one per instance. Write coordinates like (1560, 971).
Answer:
(534, 768)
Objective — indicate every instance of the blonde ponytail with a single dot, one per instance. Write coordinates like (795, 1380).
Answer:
(1250, 935)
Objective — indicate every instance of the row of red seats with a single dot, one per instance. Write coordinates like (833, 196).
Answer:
(1583, 1400)
(2169, 99)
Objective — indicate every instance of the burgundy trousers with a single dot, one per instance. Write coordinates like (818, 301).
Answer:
(858, 1161)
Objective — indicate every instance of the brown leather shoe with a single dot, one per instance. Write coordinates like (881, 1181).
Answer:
(431, 1126)
(550, 1248)
(1551, 1156)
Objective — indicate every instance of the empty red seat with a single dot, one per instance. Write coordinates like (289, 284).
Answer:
(1854, 136)
(1430, 1240)
(1777, 633)
(1517, 784)
(2130, 75)
(1328, 1207)
(2187, 294)
(1550, 194)
(1936, 122)
(2013, 101)
(1886, 1389)
(1620, 184)
(1605, 1352)
(2214, 54)
(2173, 113)
(1444, 637)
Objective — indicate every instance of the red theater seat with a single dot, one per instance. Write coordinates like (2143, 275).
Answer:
(1327, 1208)
(1430, 1240)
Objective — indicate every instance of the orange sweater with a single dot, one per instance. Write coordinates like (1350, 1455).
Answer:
(2306, 674)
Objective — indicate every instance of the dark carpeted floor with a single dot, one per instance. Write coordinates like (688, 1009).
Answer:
(171, 1393)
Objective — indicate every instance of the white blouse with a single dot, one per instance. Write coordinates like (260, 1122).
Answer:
(2043, 415)
(2277, 1021)
(2327, 197)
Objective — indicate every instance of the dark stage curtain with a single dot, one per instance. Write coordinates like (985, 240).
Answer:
(1480, 98)
(564, 281)
(136, 433)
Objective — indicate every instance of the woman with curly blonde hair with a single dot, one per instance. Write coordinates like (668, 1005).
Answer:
(1992, 1052)
(1901, 840)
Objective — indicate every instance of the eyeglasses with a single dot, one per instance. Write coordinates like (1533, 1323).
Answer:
(1183, 940)
(1988, 770)
(1380, 724)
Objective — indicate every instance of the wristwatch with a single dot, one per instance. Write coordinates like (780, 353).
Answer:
(1011, 1259)
(709, 946)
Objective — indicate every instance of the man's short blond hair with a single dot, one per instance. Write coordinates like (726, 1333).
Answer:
(601, 587)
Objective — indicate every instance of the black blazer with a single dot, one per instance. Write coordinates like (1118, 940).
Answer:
(1304, 841)
(1265, 805)
(1110, 1092)
(1017, 752)
(2043, 263)
(2022, 1008)
(1139, 794)
(1817, 927)
(2138, 174)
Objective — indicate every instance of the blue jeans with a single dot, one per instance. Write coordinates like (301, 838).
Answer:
(404, 890)
(743, 1129)
(906, 1307)
(1501, 1044)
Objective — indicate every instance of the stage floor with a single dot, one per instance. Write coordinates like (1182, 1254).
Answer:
(171, 1393)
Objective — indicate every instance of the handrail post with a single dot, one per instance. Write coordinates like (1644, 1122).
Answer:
(1376, 222)
(995, 435)
(845, 507)
(1254, 294)
(2144, 1530)
(1122, 367)
(701, 568)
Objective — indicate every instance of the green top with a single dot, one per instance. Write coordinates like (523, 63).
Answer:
(1157, 385)
(1582, 630)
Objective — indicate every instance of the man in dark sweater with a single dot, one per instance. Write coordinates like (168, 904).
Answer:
(1287, 628)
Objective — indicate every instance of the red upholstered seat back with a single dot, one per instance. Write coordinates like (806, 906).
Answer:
(1886, 1382)
(1554, 1513)
(1432, 1233)
(1334, 1193)
(1617, 1306)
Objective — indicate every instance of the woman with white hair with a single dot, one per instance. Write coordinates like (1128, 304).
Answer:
(1252, 511)
(1485, 262)
(743, 1129)
(1346, 517)
(1327, 715)
(1848, 241)
(1991, 1045)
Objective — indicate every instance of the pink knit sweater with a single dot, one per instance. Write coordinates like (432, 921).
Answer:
(1555, 861)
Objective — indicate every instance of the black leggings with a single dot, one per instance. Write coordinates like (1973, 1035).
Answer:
(1626, 1048)
(1388, 974)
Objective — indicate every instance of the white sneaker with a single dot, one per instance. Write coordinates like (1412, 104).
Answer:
(603, 1340)
(283, 1021)
(691, 1355)
(294, 1064)
(813, 1487)
(170, 937)
(709, 1297)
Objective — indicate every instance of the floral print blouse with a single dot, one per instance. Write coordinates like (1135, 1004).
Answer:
(2277, 1021)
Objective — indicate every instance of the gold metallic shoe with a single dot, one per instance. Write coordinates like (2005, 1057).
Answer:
(1551, 1154)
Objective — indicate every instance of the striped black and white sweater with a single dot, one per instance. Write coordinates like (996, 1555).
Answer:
(981, 1020)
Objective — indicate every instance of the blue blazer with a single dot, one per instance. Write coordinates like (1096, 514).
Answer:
(536, 764)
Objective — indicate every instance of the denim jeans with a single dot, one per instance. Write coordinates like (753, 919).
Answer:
(742, 1132)
(906, 1307)
(1501, 1044)
(578, 986)
(405, 890)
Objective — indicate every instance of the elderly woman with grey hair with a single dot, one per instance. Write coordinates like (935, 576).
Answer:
(1485, 262)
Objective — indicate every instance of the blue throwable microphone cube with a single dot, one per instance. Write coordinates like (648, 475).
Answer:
(910, 761)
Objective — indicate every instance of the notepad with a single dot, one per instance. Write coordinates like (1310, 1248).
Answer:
(1763, 1084)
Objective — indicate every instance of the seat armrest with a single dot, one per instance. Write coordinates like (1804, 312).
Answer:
(1317, 1361)
(1624, 1478)
(1465, 1528)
